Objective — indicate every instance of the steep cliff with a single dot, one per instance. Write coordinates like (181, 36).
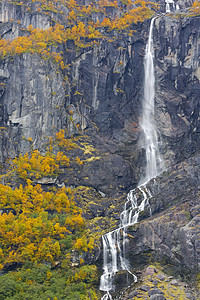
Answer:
(100, 93)
(104, 92)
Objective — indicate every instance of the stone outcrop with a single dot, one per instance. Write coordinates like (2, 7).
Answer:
(157, 285)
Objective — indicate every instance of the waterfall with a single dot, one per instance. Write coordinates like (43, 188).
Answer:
(167, 7)
(114, 242)
(174, 7)
(154, 162)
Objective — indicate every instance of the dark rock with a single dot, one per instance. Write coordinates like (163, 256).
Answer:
(149, 271)
(160, 277)
(98, 76)
(154, 281)
(157, 297)
(108, 108)
(172, 233)
(189, 296)
(174, 282)
(145, 288)
(123, 279)
(154, 291)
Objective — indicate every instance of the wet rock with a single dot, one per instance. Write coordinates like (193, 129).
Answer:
(123, 279)
(100, 79)
(172, 233)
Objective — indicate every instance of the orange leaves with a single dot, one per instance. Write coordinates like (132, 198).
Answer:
(195, 9)
(75, 222)
(81, 25)
(33, 198)
(64, 142)
(43, 224)
(72, 4)
(32, 233)
(82, 28)
(104, 3)
(62, 159)
(83, 245)
(61, 202)
(106, 23)
(139, 13)
(30, 28)
(35, 166)
(38, 41)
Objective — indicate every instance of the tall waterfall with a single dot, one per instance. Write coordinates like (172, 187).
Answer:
(114, 242)
(154, 162)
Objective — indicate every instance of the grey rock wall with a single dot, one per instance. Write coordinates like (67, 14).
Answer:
(171, 235)
(31, 101)
(104, 92)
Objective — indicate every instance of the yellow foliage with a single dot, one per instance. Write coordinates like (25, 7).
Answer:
(81, 27)
(195, 9)
(31, 232)
(36, 165)
(39, 224)
(83, 245)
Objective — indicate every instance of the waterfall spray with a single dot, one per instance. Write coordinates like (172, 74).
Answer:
(154, 162)
(114, 242)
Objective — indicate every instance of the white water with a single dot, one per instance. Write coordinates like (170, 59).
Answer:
(171, 3)
(154, 162)
(114, 242)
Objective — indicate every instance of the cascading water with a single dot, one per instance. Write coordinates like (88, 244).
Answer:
(154, 162)
(173, 5)
(114, 242)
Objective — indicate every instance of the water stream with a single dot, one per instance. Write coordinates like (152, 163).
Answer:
(114, 242)
(154, 161)
(170, 6)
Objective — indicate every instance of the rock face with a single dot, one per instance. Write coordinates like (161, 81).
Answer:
(156, 285)
(103, 95)
(172, 233)
(31, 102)
(177, 73)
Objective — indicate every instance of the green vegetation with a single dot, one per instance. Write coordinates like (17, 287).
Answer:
(38, 281)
